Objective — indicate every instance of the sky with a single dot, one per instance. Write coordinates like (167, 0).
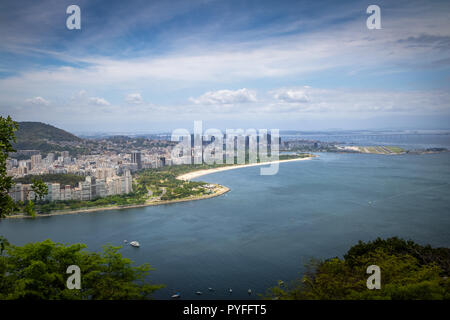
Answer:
(149, 66)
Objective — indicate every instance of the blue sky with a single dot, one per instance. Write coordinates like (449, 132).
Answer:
(160, 65)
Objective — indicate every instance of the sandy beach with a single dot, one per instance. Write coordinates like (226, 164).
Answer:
(199, 173)
(219, 190)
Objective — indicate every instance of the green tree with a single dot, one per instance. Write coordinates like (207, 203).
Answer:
(39, 188)
(7, 136)
(38, 271)
(408, 271)
(29, 208)
(3, 244)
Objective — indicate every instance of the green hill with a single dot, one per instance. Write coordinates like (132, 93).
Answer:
(45, 138)
(41, 131)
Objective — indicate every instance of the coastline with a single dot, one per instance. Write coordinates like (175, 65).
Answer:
(219, 190)
(199, 173)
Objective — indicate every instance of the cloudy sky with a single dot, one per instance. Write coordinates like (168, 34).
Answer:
(159, 65)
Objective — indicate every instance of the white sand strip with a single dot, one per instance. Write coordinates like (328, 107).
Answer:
(199, 173)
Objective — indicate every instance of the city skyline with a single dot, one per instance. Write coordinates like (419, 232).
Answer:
(153, 66)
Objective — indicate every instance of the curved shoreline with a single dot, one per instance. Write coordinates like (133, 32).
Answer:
(195, 174)
(220, 190)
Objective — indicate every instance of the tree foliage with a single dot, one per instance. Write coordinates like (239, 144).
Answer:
(408, 271)
(39, 188)
(38, 271)
(61, 178)
(7, 137)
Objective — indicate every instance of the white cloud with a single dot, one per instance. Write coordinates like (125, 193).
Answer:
(290, 95)
(98, 101)
(79, 95)
(134, 98)
(262, 63)
(38, 101)
(351, 47)
(226, 97)
(354, 101)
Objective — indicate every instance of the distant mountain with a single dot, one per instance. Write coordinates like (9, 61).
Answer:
(41, 131)
(44, 137)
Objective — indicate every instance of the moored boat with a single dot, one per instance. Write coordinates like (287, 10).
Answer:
(135, 244)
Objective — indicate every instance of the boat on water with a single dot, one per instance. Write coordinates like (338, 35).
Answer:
(135, 244)
(199, 293)
(176, 295)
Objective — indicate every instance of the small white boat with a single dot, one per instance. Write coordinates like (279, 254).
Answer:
(199, 293)
(249, 291)
(210, 289)
(176, 295)
(135, 244)
(125, 241)
(230, 290)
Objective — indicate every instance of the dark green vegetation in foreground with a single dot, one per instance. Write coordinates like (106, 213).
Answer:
(38, 271)
(408, 271)
(7, 137)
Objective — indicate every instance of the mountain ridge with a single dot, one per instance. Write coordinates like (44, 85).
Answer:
(33, 130)
(44, 137)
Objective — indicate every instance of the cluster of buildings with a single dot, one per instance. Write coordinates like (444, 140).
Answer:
(89, 189)
(84, 165)
(105, 175)
(107, 170)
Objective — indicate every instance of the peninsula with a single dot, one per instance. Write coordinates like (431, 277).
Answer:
(156, 187)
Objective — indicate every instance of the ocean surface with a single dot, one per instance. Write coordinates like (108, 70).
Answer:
(407, 140)
(267, 227)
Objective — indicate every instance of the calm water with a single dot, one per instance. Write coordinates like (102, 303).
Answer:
(405, 140)
(267, 227)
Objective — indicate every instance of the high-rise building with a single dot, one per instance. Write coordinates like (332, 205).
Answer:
(103, 173)
(54, 192)
(85, 187)
(128, 182)
(136, 158)
(36, 160)
(25, 164)
(100, 188)
(67, 193)
(16, 192)
(50, 158)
